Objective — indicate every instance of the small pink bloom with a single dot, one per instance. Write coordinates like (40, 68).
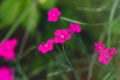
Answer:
(99, 46)
(7, 49)
(104, 56)
(112, 51)
(61, 36)
(54, 14)
(6, 73)
(74, 28)
(45, 47)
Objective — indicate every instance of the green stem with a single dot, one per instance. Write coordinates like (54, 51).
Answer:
(27, 31)
(79, 22)
(91, 66)
(77, 77)
(108, 74)
(112, 13)
(58, 61)
(21, 72)
(23, 43)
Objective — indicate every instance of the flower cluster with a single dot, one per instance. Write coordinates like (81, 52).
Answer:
(60, 36)
(7, 49)
(6, 73)
(105, 54)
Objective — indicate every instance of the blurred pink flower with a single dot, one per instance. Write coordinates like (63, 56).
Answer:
(112, 51)
(61, 36)
(74, 28)
(6, 73)
(54, 14)
(104, 56)
(7, 49)
(99, 46)
(45, 47)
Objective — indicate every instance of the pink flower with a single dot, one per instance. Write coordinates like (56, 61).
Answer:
(7, 49)
(53, 15)
(6, 73)
(74, 28)
(45, 47)
(99, 46)
(61, 36)
(104, 56)
(112, 51)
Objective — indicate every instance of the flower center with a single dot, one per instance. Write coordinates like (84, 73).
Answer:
(62, 36)
(54, 14)
(46, 45)
(7, 48)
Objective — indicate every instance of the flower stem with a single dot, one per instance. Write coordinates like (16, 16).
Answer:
(19, 69)
(77, 77)
(79, 22)
(112, 13)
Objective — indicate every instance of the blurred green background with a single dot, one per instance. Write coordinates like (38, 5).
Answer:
(27, 21)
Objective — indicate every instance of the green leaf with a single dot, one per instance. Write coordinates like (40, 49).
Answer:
(9, 10)
(35, 18)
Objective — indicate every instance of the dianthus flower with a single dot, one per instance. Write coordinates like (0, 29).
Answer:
(112, 51)
(54, 14)
(74, 28)
(99, 46)
(61, 36)
(104, 56)
(45, 47)
(6, 73)
(7, 49)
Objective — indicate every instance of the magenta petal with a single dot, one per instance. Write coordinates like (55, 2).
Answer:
(10, 56)
(56, 40)
(40, 47)
(14, 41)
(55, 19)
(44, 51)
(112, 51)
(68, 36)
(64, 31)
(57, 11)
(58, 33)
(50, 47)
(105, 62)
(6, 73)
(61, 40)
(49, 42)
(100, 59)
